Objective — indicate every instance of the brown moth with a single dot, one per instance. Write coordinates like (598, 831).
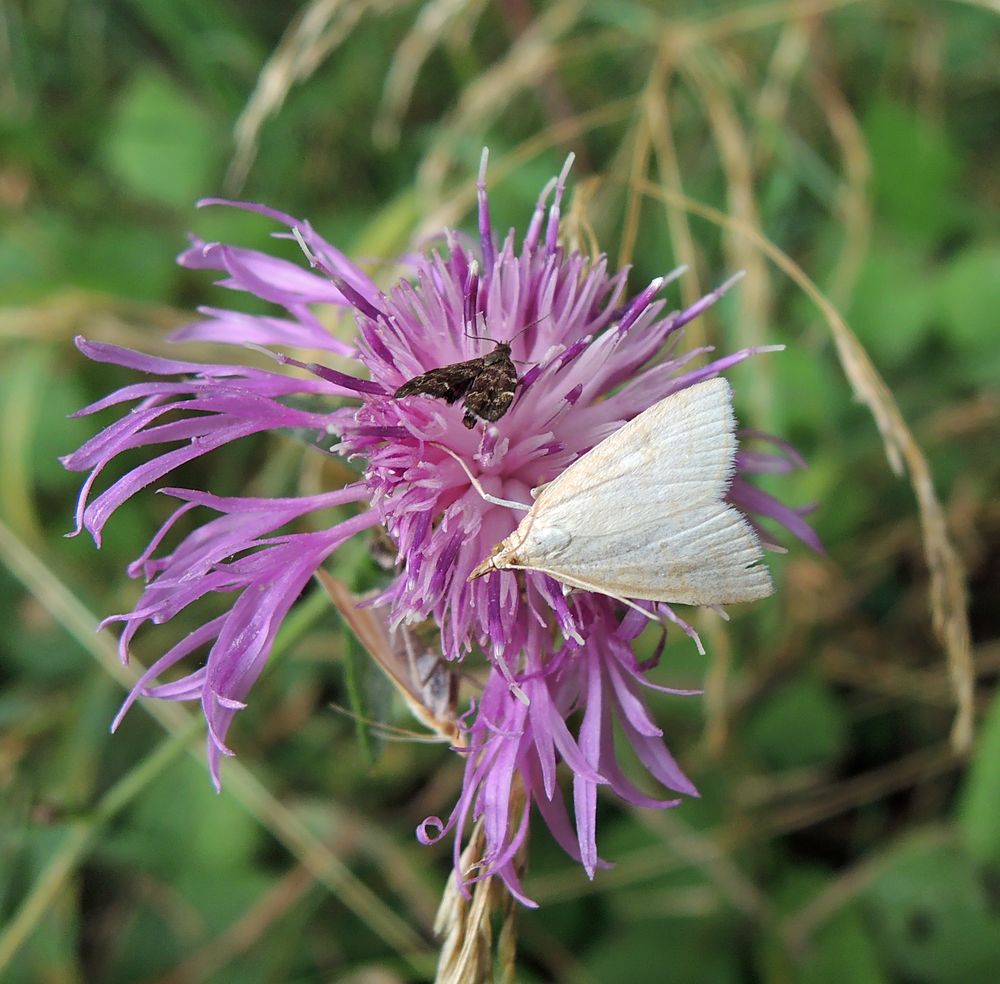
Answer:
(421, 675)
(486, 384)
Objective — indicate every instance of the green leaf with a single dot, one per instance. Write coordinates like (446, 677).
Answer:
(51, 952)
(802, 724)
(979, 802)
(893, 304)
(842, 951)
(915, 170)
(161, 145)
(126, 260)
(930, 910)
(183, 829)
(682, 951)
(57, 433)
(968, 299)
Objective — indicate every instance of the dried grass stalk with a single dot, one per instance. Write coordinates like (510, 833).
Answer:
(948, 599)
(316, 31)
(465, 923)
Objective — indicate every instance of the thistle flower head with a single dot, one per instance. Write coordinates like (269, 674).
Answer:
(589, 356)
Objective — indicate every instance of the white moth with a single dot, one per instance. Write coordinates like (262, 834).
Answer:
(642, 515)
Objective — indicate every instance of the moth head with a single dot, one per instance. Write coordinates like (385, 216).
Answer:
(502, 556)
(485, 566)
(500, 354)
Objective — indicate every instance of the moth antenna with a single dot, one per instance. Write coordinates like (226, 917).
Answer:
(495, 500)
(485, 338)
(531, 324)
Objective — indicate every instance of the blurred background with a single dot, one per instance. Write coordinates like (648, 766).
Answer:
(848, 825)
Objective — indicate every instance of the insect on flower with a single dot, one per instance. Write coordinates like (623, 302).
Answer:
(643, 515)
(663, 509)
(486, 383)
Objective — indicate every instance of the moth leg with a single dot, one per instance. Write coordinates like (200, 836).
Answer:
(567, 587)
(689, 630)
(496, 500)
(631, 604)
(515, 691)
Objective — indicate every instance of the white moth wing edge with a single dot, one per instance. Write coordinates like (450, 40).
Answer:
(716, 564)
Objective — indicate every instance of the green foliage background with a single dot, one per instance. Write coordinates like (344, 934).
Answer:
(839, 836)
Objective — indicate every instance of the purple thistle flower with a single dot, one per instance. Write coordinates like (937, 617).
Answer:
(596, 358)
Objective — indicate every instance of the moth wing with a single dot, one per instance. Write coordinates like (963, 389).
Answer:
(709, 558)
(448, 383)
(492, 390)
(642, 514)
(682, 446)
